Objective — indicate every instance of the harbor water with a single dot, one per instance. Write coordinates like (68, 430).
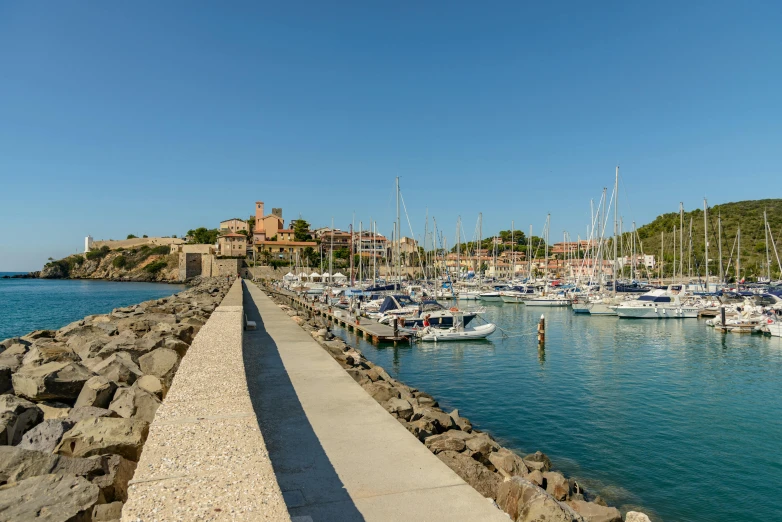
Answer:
(35, 304)
(667, 416)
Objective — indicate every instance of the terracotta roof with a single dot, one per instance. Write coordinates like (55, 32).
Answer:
(287, 243)
(233, 235)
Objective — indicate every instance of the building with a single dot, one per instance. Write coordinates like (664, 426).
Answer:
(336, 239)
(266, 226)
(87, 244)
(284, 234)
(234, 225)
(572, 247)
(641, 260)
(230, 244)
(283, 250)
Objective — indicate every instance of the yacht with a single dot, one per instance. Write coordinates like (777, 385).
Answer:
(518, 294)
(549, 300)
(659, 304)
(494, 296)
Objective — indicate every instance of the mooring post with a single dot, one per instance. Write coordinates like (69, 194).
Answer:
(542, 332)
(722, 318)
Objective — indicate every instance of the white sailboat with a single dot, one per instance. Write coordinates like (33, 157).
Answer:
(658, 304)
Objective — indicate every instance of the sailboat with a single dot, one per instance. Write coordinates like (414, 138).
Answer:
(547, 299)
(607, 305)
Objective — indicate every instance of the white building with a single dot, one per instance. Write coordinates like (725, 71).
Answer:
(87, 244)
(640, 260)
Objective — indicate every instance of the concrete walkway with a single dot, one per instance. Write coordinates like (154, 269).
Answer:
(337, 454)
(205, 458)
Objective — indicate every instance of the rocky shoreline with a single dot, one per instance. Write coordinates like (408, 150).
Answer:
(525, 487)
(76, 403)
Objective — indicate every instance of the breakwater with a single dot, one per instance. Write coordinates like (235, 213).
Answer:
(525, 487)
(77, 402)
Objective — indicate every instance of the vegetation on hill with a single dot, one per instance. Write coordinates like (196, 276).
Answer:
(747, 215)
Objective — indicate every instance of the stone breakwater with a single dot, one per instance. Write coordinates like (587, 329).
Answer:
(525, 487)
(76, 404)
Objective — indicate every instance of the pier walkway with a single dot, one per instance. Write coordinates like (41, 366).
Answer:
(336, 453)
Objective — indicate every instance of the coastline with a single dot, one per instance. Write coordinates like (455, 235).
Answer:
(513, 481)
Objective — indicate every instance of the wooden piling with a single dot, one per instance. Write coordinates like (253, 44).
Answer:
(542, 332)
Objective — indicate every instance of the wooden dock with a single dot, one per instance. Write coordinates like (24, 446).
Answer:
(368, 328)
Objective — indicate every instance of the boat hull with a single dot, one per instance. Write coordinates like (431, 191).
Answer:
(491, 298)
(547, 302)
(471, 334)
(657, 312)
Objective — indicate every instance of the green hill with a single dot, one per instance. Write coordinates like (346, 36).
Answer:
(745, 214)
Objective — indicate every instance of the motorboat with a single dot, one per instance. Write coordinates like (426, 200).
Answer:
(518, 294)
(414, 314)
(659, 304)
(458, 332)
(549, 300)
(494, 296)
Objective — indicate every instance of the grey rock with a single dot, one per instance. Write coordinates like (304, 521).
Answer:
(125, 341)
(482, 444)
(135, 403)
(508, 464)
(104, 435)
(444, 442)
(88, 412)
(636, 516)
(442, 420)
(50, 498)
(538, 461)
(107, 512)
(116, 473)
(118, 368)
(523, 501)
(45, 436)
(557, 485)
(54, 380)
(151, 384)
(381, 391)
(45, 351)
(399, 407)
(162, 363)
(536, 477)
(39, 334)
(17, 416)
(98, 391)
(472, 472)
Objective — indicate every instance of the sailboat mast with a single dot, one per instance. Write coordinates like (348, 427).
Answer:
(674, 253)
(513, 250)
(768, 256)
(681, 241)
(529, 255)
(706, 239)
(634, 259)
(399, 236)
(331, 252)
(662, 256)
(738, 258)
(719, 245)
(616, 199)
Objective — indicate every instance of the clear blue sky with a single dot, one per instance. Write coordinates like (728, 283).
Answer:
(157, 117)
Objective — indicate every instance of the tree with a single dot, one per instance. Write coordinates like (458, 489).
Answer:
(144, 235)
(131, 236)
(203, 236)
(251, 224)
(301, 230)
(311, 256)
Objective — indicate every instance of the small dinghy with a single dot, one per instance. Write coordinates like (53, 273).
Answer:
(456, 333)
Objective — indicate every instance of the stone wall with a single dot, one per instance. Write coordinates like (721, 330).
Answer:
(130, 243)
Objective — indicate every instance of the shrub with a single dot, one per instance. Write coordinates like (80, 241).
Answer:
(119, 262)
(155, 266)
(97, 254)
(162, 250)
(77, 260)
(131, 236)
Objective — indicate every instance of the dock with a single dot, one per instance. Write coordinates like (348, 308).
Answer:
(368, 328)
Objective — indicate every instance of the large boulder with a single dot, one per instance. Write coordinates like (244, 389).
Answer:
(445, 442)
(103, 435)
(118, 368)
(162, 363)
(557, 485)
(45, 436)
(122, 342)
(98, 391)
(538, 461)
(381, 391)
(135, 403)
(152, 384)
(50, 498)
(18, 464)
(87, 347)
(44, 351)
(54, 380)
(442, 420)
(636, 516)
(399, 407)
(6, 383)
(481, 446)
(508, 463)
(88, 412)
(592, 512)
(16, 417)
(113, 480)
(54, 410)
(472, 472)
(107, 512)
(523, 501)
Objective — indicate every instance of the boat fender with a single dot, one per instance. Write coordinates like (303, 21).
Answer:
(453, 309)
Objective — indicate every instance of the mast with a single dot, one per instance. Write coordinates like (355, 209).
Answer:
(458, 249)
(738, 259)
(331, 253)
(352, 248)
(360, 251)
(681, 241)
(706, 238)
(480, 241)
(616, 198)
(768, 256)
(689, 253)
(529, 254)
(674, 253)
(545, 249)
(719, 245)
(634, 260)
(662, 255)
(513, 251)
(399, 237)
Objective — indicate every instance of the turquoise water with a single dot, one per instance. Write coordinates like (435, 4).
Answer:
(33, 304)
(667, 415)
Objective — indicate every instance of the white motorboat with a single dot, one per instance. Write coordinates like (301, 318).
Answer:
(518, 294)
(468, 295)
(775, 329)
(456, 333)
(658, 304)
(549, 300)
(491, 297)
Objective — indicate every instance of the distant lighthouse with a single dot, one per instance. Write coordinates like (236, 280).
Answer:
(87, 244)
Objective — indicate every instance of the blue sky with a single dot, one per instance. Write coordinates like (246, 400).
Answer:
(157, 117)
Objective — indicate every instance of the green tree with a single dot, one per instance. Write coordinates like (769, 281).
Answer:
(301, 230)
(131, 236)
(203, 236)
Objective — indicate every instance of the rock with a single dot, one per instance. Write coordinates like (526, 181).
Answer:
(103, 435)
(424, 399)
(89, 412)
(98, 391)
(422, 428)
(444, 442)
(11, 361)
(442, 420)
(6, 384)
(16, 417)
(151, 384)
(54, 380)
(592, 512)
(44, 351)
(399, 407)
(39, 334)
(107, 512)
(116, 473)
(17, 464)
(161, 363)
(481, 446)
(298, 319)
(135, 403)
(125, 341)
(54, 410)
(636, 516)
(45, 436)
(48, 498)
(180, 347)
(86, 348)
(118, 368)
(508, 464)
(381, 391)
(538, 461)
(523, 501)
(472, 472)
(557, 485)
(536, 477)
